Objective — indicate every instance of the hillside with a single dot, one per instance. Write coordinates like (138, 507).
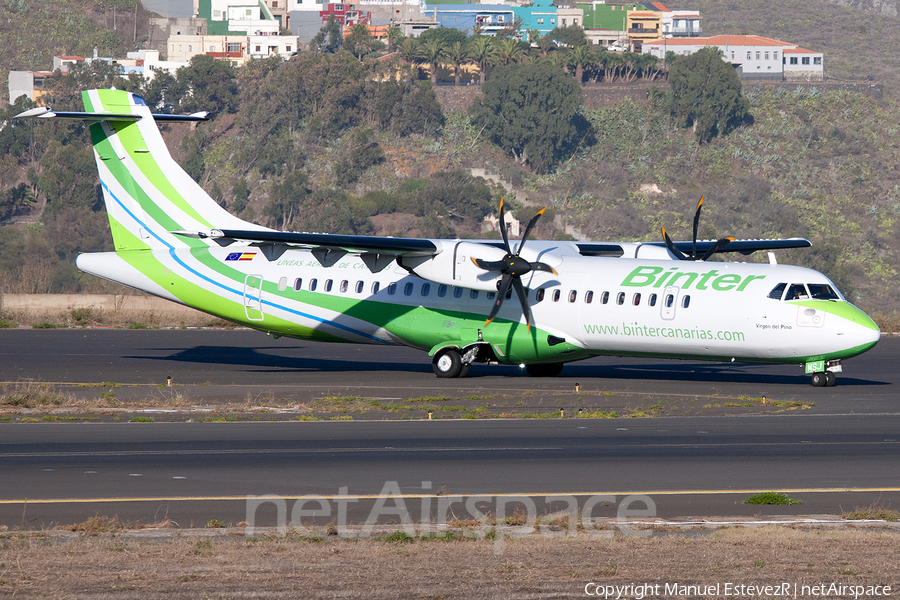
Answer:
(857, 43)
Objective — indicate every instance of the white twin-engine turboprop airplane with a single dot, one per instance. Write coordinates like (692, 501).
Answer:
(446, 297)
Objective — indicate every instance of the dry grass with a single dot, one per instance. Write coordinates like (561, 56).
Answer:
(532, 567)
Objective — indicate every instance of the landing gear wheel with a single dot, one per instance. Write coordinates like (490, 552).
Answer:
(549, 370)
(447, 363)
(830, 379)
(464, 370)
(819, 379)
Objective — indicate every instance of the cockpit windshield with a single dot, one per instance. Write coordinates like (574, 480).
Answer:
(803, 291)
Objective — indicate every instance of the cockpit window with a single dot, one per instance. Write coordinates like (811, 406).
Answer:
(777, 291)
(797, 291)
(822, 291)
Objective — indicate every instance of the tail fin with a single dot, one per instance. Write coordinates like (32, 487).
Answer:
(148, 195)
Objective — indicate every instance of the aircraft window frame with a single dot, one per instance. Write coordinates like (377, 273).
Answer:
(360, 286)
(426, 289)
(345, 285)
(329, 283)
(829, 294)
(636, 299)
(781, 287)
(298, 284)
(804, 295)
(573, 296)
(376, 286)
(442, 290)
(491, 295)
(392, 288)
(651, 300)
(604, 298)
(408, 288)
(556, 295)
(282, 284)
(473, 294)
(539, 295)
(670, 300)
(457, 292)
(620, 298)
(313, 284)
(685, 301)
(588, 297)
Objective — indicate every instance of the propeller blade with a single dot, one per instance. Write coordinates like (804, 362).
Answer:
(501, 295)
(523, 300)
(528, 229)
(717, 246)
(671, 246)
(696, 225)
(539, 266)
(489, 265)
(503, 229)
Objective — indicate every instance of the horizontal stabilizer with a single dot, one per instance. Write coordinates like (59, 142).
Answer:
(44, 112)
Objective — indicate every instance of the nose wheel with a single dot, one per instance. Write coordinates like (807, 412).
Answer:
(825, 379)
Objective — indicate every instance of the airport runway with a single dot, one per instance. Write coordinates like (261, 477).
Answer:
(841, 454)
(229, 365)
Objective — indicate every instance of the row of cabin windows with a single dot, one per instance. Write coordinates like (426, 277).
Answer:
(425, 290)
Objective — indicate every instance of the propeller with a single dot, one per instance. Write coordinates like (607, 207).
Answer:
(512, 267)
(693, 255)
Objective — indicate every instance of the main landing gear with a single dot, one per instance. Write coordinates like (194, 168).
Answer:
(451, 362)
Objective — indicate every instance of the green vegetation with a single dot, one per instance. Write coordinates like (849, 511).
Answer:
(778, 498)
(141, 420)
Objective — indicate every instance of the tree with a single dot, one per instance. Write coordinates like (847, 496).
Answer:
(510, 51)
(570, 37)
(395, 37)
(484, 52)
(433, 51)
(287, 198)
(706, 94)
(458, 55)
(330, 36)
(532, 112)
(209, 84)
(579, 58)
(446, 35)
(359, 40)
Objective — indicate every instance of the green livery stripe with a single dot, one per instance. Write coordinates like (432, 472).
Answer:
(844, 310)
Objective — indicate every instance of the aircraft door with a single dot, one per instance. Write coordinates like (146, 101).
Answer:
(253, 297)
(669, 302)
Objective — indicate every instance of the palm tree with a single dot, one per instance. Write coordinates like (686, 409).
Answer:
(483, 51)
(359, 40)
(458, 55)
(510, 51)
(579, 58)
(611, 62)
(411, 53)
(395, 38)
(433, 51)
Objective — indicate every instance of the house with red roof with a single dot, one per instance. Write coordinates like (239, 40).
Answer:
(756, 58)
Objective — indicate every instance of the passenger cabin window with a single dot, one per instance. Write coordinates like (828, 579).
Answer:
(822, 291)
(473, 294)
(636, 299)
(312, 285)
(620, 299)
(359, 287)
(442, 290)
(670, 300)
(556, 295)
(797, 291)
(375, 287)
(457, 292)
(777, 291)
(686, 301)
(573, 295)
(588, 297)
(298, 284)
(539, 295)
(408, 289)
(328, 284)
(282, 284)
(426, 289)
(652, 300)
(344, 286)
(491, 295)
(392, 289)
(604, 298)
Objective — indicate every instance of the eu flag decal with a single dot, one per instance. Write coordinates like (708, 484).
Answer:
(240, 256)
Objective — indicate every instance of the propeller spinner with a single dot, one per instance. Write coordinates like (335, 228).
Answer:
(693, 255)
(512, 267)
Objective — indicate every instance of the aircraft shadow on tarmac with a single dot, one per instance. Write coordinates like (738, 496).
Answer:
(276, 359)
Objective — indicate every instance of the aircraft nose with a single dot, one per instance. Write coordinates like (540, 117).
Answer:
(866, 328)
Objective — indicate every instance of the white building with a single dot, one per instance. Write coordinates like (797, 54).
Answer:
(149, 60)
(755, 57)
(680, 23)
